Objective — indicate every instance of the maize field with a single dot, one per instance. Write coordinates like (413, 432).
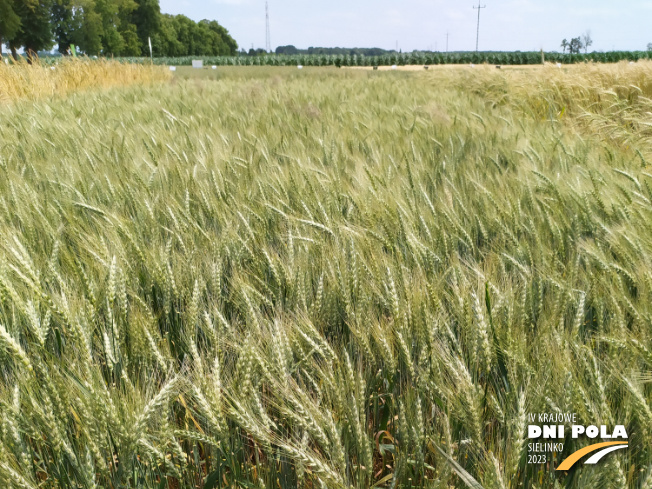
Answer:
(401, 59)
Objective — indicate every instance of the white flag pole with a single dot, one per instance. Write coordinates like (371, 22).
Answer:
(151, 56)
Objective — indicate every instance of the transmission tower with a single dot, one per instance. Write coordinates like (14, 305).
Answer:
(268, 39)
(477, 35)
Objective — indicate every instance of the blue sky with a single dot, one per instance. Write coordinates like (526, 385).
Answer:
(422, 24)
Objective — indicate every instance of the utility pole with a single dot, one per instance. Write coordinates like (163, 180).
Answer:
(268, 41)
(477, 36)
(446, 41)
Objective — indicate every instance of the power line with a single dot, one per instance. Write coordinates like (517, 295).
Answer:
(268, 39)
(477, 35)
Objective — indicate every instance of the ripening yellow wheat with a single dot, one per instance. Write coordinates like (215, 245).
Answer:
(24, 81)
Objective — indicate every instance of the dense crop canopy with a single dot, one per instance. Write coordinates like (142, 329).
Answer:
(325, 278)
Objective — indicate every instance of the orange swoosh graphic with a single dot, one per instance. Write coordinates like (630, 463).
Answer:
(575, 456)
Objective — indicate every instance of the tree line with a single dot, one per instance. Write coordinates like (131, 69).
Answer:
(576, 44)
(108, 28)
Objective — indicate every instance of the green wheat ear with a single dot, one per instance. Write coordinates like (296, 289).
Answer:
(326, 280)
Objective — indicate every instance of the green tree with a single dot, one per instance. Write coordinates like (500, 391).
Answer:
(226, 45)
(77, 22)
(109, 27)
(35, 32)
(200, 40)
(118, 35)
(166, 42)
(88, 27)
(290, 50)
(185, 28)
(575, 45)
(132, 43)
(127, 28)
(9, 21)
(112, 41)
(564, 45)
(62, 24)
(147, 19)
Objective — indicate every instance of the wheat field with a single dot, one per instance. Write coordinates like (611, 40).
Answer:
(325, 278)
(20, 80)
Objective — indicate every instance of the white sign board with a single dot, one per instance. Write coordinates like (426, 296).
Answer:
(214, 67)
(173, 68)
(197, 63)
